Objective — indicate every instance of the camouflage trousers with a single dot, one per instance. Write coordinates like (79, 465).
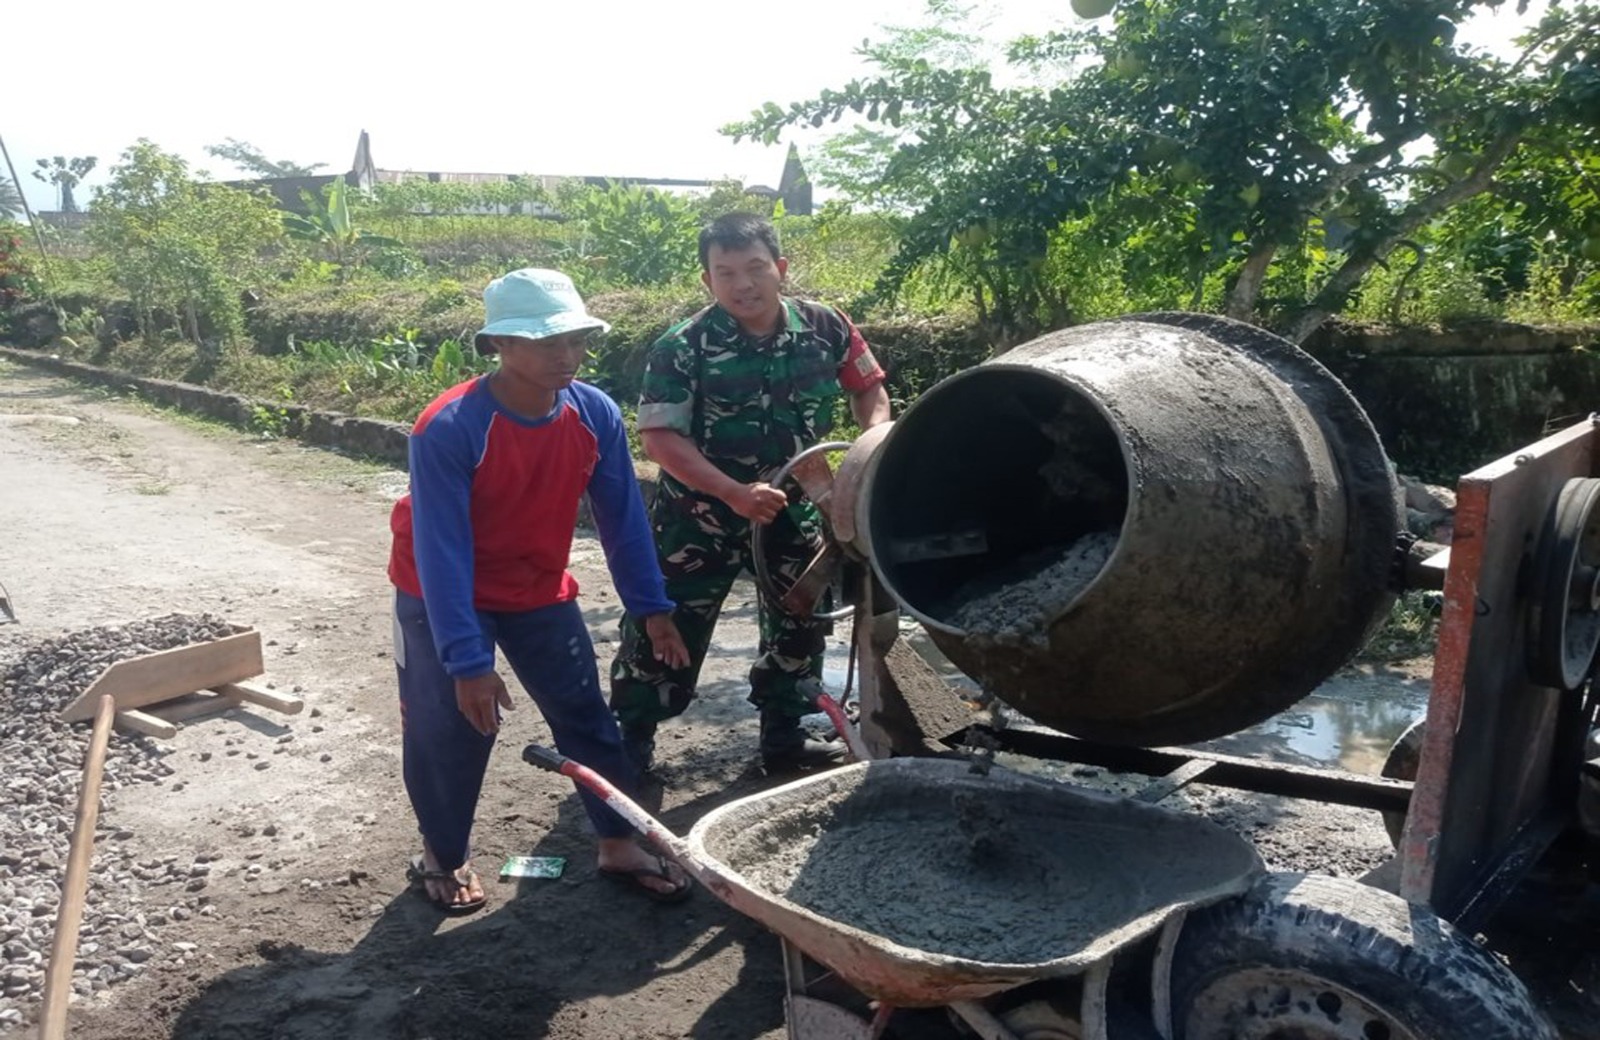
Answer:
(703, 546)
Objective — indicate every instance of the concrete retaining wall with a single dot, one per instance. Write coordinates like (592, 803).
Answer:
(1445, 399)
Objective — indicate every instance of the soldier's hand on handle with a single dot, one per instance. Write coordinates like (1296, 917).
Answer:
(480, 700)
(665, 640)
(758, 503)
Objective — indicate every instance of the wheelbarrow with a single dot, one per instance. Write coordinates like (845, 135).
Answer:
(921, 884)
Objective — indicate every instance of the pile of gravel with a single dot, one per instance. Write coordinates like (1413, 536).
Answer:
(41, 769)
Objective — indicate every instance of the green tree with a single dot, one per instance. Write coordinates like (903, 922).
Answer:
(1236, 125)
(10, 200)
(635, 235)
(251, 159)
(183, 251)
(65, 174)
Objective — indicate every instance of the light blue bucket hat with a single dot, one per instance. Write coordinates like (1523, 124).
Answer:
(533, 303)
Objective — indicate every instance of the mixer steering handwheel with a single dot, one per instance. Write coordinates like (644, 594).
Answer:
(808, 476)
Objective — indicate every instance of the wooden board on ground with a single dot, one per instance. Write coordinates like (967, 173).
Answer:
(152, 678)
(185, 682)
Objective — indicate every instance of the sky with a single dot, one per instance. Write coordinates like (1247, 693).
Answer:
(605, 87)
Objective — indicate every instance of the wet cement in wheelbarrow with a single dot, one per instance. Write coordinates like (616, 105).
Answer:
(966, 876)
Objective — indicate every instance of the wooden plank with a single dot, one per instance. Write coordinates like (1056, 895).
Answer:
(64, 947)
(265, 698)
(149, 725)
(162, 676)
(194, 706)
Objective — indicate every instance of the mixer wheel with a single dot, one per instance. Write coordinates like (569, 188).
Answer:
(1041, 1020)
(1564, 601)
(1305, 957)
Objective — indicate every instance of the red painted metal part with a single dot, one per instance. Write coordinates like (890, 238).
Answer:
(1485, 774)
(841, 722)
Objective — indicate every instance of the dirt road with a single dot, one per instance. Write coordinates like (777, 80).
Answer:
(303, 927)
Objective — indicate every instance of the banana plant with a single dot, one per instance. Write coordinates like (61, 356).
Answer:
(327, 222)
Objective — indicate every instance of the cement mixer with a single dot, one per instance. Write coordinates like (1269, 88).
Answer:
(1163, 529)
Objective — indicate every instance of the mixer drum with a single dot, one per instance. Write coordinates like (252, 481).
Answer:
(1155, 530)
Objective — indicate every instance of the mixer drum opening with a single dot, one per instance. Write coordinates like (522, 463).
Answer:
(997, 523)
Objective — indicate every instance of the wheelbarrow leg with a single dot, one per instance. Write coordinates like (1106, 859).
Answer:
(807, 1017)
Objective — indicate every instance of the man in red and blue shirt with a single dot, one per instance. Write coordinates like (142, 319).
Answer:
(479, 561)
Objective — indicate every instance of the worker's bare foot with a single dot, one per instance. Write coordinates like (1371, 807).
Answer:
(456, 891)
(656, 876)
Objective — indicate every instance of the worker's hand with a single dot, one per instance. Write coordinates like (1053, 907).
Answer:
(480, 700)
(666, 641)
(758, 503)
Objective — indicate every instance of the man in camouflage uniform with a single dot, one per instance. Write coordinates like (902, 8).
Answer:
(730, 396)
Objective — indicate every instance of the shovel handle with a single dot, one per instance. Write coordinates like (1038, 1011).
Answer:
(75, 888)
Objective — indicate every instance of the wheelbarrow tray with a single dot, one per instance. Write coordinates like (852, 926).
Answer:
(941, 870)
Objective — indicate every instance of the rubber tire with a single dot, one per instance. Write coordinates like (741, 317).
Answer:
(1038, 1020)
(1428, 977)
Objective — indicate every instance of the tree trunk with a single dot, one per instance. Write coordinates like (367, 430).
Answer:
(1241, 303)
(1336, 292)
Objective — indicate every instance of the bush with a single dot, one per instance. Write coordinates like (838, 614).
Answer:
(364, 310)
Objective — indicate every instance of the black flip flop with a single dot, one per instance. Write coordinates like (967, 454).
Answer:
(419, 875)
(631, 878)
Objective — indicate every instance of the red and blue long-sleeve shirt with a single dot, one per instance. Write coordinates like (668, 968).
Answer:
(494, 498)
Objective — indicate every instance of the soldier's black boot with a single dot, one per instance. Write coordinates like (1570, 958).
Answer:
(785, 745)
(639, 744)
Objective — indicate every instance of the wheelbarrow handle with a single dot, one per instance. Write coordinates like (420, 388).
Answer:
(653, 830)
(841, 722)
(544, 758)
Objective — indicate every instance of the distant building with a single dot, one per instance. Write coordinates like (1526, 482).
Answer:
(794, 187)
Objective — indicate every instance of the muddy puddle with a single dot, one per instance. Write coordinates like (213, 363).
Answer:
(1349, 722)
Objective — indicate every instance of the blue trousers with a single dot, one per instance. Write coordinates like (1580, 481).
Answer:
(444, 758)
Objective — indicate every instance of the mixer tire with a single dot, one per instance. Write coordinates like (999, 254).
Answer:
(1041, 1020)
(1322, 958)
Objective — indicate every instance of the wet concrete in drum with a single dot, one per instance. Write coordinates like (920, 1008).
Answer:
(1019, 604)
(1016, 601)
(1000, 881)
